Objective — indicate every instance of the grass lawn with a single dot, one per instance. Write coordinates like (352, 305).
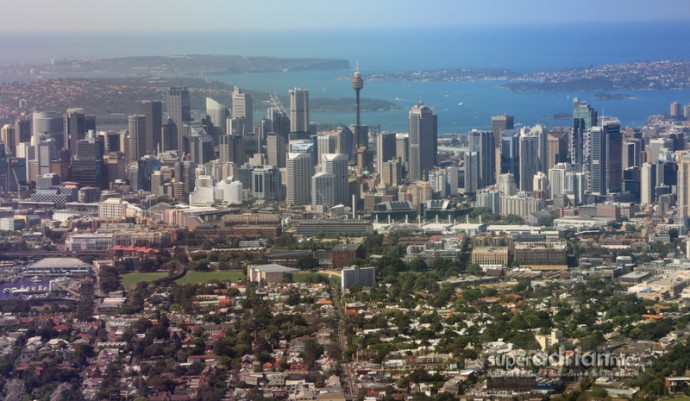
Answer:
(193, 277)
(678, 398)
(130, 280)
(301, 277)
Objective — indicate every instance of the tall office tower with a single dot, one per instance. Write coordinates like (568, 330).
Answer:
(483, 143)
(89, 123)
(452, 177)
(179, 110)
(231, 149)
(506, 184)
(402, 148)
(279, 122)
(360, 136)
(276, 150)
(648, 183)
(76, 127)
(243, 108)
(606, 159)
(500, 124)
(385, 149)
(200, 145)
(392, 173)
(136, 141)
(87, 166)
(437, 179)
(471, 172)
(683, 161)
(46, 152)
(218, 114)
(557, 180)
(322, 193)
(299, 173)
(153, 112)
(631, 152)
(584, 118)
(266, 183)
(576, 185)
(557, 151)
(540, 185)
(656, 146)
(423, 131)
(529, 161)
(510, 153)
(336, 164)
(674, 111)
(299, 111)
(169, 135)
(325, 144)
(686, 112)
(48, 125)
(8, 137)
(542, 146)
(345, 142)
(23, 130)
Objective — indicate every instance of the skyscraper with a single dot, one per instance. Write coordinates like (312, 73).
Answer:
(275, 149)
(218, 113)
(584, 118)
(243, 108)
(500, 124)
(423, 131)
(683, 161)
(385, 149)
(529, 161)
(136, 141)
(471, 172)
(48, 125)
(336, 164)
(179, 110)
(76, 128)
(299, 111)
(606, 173)
(153, 113)
(483, 143)
(299, 173)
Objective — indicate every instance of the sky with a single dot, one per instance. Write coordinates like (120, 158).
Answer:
(211, 15)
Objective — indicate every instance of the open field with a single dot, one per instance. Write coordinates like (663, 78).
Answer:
(204, 277)
(130, 280)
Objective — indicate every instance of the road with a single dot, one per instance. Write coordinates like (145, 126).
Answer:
(349, 376)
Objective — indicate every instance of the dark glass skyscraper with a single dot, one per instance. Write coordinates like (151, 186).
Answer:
(423, 131)
(584, 118)
(153, 112)
(606, 160)
(179, 110)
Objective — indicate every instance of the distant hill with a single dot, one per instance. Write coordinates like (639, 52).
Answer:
(169, 66)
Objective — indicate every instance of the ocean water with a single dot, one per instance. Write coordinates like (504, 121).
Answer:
(522, 48)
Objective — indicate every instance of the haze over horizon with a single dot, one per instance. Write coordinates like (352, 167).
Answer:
(209, 15)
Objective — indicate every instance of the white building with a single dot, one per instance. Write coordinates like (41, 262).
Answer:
(113, 209)
(89, 242)
(299, 173)
(355, 275)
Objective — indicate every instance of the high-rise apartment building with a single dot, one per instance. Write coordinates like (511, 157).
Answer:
(336, 164)
(423, 141)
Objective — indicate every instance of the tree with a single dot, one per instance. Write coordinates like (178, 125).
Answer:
(418, 265)
(307, 263)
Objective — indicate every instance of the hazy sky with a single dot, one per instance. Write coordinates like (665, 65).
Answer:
(199, 15)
